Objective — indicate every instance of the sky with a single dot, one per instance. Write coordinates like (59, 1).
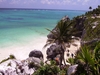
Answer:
(50, 4)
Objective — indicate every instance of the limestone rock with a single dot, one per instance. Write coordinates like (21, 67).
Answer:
(72, 69)
(53, 51)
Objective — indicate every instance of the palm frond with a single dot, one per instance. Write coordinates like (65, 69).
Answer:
(49, 42)
(86, 56)
(50, 31)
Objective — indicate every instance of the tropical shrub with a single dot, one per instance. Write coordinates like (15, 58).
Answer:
(88, 61)
(51, 69)
(48, 69)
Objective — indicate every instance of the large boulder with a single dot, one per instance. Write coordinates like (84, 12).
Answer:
(34, 60)
(53, 51)
(36, 53)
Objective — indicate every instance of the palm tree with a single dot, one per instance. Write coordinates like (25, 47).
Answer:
(90, 8)
(98, 6)
(62, 35)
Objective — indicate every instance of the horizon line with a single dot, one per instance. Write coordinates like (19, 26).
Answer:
(43, 9)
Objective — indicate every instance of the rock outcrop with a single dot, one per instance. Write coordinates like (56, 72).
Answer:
(15, 67)
(36, 53)
(22, 67)
(55, 52)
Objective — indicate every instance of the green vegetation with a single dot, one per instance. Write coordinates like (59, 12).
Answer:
(88, 25)
(88, 61)
(33, 65)
(95, 11)
(10, 57)
(51, 69)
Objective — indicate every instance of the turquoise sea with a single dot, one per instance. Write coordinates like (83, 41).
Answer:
(22, 26)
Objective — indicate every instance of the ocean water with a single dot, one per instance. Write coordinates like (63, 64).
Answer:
(21, 26)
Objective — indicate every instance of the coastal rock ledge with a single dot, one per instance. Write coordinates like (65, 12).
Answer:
(13, 66)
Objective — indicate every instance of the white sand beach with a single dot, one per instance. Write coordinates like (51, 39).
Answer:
(22, 51)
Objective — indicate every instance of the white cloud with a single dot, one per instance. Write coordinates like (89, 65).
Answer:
(22, 1)
(66, 1)
(47, 1)
(28, 2)
(61, 2)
